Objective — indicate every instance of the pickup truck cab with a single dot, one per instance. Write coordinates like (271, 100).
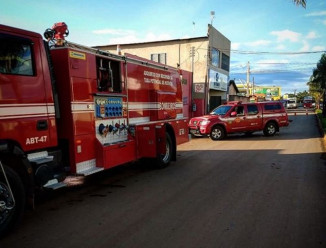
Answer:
(235, 117)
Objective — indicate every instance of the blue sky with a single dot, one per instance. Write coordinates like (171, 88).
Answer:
(282, 42)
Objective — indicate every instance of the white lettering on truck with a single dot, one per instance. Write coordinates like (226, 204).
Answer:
(35, 140)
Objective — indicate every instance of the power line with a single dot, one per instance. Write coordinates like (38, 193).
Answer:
(284, 63)
(273, 71)
(262, 52)
(276, 53)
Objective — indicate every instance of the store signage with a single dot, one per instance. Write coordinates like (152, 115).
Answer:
(199, 88)
(217, 80)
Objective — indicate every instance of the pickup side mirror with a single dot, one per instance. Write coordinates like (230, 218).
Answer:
(233, 114)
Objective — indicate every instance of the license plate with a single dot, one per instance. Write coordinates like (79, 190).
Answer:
(193, 131)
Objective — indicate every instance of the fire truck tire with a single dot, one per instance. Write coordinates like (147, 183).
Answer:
(9, 217)
(163, 160)
(217, 133)
(270, 129)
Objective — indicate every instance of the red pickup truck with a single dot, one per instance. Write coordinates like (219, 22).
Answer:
(235, 117)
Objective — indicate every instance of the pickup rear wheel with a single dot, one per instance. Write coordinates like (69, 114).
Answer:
(217, 133)
(270, 129)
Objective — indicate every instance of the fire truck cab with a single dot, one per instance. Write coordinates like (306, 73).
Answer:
(73, 110)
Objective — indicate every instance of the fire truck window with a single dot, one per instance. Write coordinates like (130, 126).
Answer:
(108, 75)
(252, 109)
(15, 55)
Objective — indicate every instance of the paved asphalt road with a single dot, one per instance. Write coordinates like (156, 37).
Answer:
(240, 192)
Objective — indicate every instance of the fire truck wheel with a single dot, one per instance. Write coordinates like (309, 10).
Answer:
(217, 133)
(270, 129)
(11, 210)
(164, 159)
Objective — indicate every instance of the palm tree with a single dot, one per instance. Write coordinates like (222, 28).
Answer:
(300, 2)
(318, 79)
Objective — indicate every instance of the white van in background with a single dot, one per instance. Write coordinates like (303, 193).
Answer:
(292, 102)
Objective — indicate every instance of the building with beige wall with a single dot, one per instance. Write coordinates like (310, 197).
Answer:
(208, 57)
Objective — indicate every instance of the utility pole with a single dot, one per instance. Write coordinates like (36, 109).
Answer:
(192, 55)
(253, 85)
(248, 77)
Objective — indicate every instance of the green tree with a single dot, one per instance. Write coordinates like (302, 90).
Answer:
(300, 2)
(317, 82)
(316, 91)
(302, 95)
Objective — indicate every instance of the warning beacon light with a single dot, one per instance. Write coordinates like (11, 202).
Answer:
(57, 33)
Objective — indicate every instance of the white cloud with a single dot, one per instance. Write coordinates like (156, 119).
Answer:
(286, 35)
(235, 45)
(154, 37)
(258, 43)
(273, 61)
(270, 64)
(122, 36)
(186, 36)
(124, 40)
(280, 47)
(312, 35)
(114, 32)
(318, 48)
(305, 47)
(324, 22)
(317, 13)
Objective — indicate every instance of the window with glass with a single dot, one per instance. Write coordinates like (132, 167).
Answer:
(239, 110)
(159, 57)
(225, 62)
(16, 55)
(215, 57)
(108, 75)
(221, 110)
(273, 106)
(252, 109)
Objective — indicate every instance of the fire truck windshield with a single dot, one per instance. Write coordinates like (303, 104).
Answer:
(221, 110)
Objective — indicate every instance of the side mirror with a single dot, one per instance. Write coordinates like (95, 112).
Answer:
(233, 114)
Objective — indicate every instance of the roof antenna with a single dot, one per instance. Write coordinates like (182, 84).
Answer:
(212, 17)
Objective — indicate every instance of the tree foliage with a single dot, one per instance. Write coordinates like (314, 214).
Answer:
(300, 2)
(301, 95)
(317, 81)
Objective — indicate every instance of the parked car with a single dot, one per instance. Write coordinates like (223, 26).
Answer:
(235, 117)
(292, 103)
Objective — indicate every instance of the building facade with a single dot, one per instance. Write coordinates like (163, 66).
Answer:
(208, 57)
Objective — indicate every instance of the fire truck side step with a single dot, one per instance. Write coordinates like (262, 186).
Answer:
(90, 171)
(40, 157)
(54, 184)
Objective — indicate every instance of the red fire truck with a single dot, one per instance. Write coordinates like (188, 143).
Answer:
(68, 110)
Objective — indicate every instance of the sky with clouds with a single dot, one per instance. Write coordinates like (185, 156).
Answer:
(282, 41)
